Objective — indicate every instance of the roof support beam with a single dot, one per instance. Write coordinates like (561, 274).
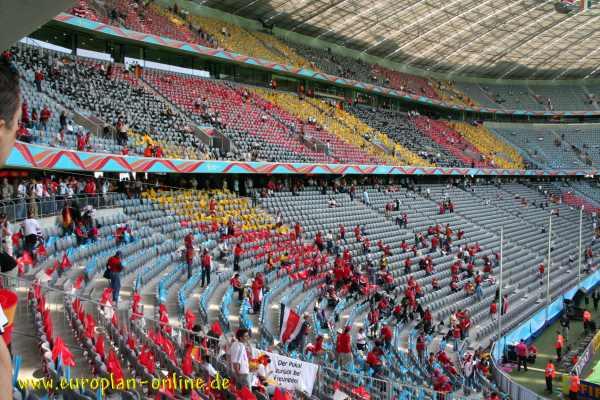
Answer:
(320, 11)
(458, 32)
(555, 55)
(392, 13)
(479, 37)
(278, 13)
(545, 46)
(420, 37)
(500, 44)
(399, 32)
(351, 19)
(576, 64)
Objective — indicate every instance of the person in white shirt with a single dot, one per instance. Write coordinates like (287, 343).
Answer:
(239, 358)
(361, 339)
(7, 233)
(31, 230)
(21, 190)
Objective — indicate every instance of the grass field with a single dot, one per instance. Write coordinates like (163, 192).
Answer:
(534, 377)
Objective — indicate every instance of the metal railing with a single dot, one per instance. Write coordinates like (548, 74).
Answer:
(507, 385)
(16, 209)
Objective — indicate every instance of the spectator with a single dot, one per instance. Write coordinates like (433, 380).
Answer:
(32, 232)
(239, 358)
(38, 78)
(206, 267)
(521, 350)
(236, 284)
(344, 347)
(115, 266)
(189, 253)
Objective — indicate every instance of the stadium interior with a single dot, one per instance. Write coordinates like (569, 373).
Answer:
(309, 199)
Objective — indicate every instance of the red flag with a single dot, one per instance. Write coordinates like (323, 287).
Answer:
(186, 365)
(190, 319)
(50, 271)
(362, 393)
(16, 239)
(291, 325)
(245, 394)
(41, 251)
(216, 329)
(106, 296)
(90, 326)
(66, 263)
(114, 367)
(115, 320)
(78, 282)
(100, 346)
(131, 342)
(26, 258)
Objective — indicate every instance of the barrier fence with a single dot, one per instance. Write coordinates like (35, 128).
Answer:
(327, 381)
(16, 209)
(530, 329)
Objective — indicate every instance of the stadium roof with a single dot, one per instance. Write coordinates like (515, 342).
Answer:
(511, 39)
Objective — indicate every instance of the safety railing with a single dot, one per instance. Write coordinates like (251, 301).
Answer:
(16, 209)
(328, 379)
(508, 386)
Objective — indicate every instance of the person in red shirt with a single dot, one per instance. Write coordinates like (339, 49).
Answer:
(148, 151)
(343, 232)
(206, 267)
(434, 243)
(236, 284)
(90, 187)
(407, 264)
(435, 285)
(357, 233)
(125, 151)
(387, 335)
(188, 242)
(38, 78)
(344, 348)
(421, 346)
(374, 361)
(115, 266)
(319, 241)
(541, 271)
(158, 152)
(298, 230)
(93, 233)
(521, 350)
(237, 255)
(45, 117)
(80, 234)
(373, 317)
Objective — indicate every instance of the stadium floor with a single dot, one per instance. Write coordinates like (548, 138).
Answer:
(534, 377)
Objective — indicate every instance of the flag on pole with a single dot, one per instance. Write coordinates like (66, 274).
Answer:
(290, 326)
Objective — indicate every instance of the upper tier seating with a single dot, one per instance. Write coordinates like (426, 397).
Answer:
(533, 97)
(342, 131)
(146, 18)
(407, 83)
(399, 128)
(543, 145)
(83, 86)
(448, 92)
(495, 149)
(255, 44)
(250, 124)
(452, 141)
